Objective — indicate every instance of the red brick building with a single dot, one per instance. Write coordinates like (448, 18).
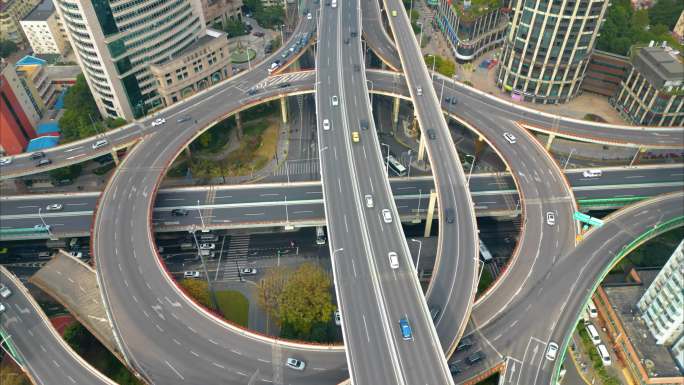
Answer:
(19, 112)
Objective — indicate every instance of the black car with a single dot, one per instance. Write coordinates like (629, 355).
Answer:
(357, 67)
(453, 100)
(464, 344)
(43, 162)
(475, 357)
(252, 91)
(179, 212)
(284, 85)
(346, 40)
(37, 155)
(454, 369)
(364, 124)
(431, 134)
(450, 216)
(353, 34)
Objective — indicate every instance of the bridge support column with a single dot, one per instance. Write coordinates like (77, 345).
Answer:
(421, 148)
(430, 213)
(283, 108)
(238, 125)
(479, 145)
(115, 156)
(395, 111)
(549, 141)
(637, 156)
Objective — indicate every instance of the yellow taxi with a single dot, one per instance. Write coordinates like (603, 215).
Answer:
(355, 137)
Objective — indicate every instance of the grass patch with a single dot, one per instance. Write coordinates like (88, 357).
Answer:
(234, 306)
(214, 139)
(241, 56)
(486, 280)
(179, 169)
(256, 150)
(10, 374)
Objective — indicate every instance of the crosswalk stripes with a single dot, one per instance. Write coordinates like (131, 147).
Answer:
(284, 78)
(235, 258)
(306, 167)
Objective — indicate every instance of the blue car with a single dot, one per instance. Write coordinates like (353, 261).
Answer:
(406, 332)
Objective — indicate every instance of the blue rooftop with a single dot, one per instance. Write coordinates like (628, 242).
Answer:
(48, 128)
(29, 60)
(59, 104)
(42, 143)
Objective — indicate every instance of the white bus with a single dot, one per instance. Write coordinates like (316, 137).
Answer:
(320, 235)
(395, 166)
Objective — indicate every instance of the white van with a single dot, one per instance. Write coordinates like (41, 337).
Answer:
(591, 309)
(593, 173)
(593, 334)
(603, 353)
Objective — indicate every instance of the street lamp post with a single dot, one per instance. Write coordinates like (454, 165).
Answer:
(287, 216)
(371, 94)
(45, 225)
(420, 247)
(408, 175)
(388, 154)
(568, 160)
(335, 251)
(200, 214)
(420, 198)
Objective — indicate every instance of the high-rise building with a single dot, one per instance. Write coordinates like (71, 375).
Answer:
(472, 27)
(220, 11)
(116, 42)
(44, 30)
(19, 111)
(653, 93)
(11, 12)
(662, 305)
(548, 47)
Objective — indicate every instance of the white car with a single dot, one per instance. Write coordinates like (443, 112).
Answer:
(5, 291)
(158, 122)
(334, 100)
(76, 254)
(207, 246)
(386, 216)
(54, 207)
(191, 274)
(100, 143)
(248, 271)
(309, 16)
(2, 307)
(550, 218)
(338, 318)
(552, 351)
(420, 91)
(509, 137)
(42, 227)
(393, 260)
(369, 200)
(5, 161)
(326, 124)
(295, 364)
(592, 173)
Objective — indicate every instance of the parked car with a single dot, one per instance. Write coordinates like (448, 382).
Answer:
(552, 351)
(37, 155)
(207, 246)
(248, 271)
(6, 160)
(2, 307)
(191, 274)
(5, 291)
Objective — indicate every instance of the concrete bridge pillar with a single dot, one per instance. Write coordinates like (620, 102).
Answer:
(283, 108)
(480, 145)
(238, 125)
(395, 111)
(115, 156)
(421, 148)
(430, 213)
(549, 141)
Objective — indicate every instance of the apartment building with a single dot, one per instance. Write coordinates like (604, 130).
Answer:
(11, 12)
(653, 93)
(220, 11)
(196, 68)
(473, 27)
(547, 48)
(605, 72)
(116, 43)
(44, 30)
(19, 111)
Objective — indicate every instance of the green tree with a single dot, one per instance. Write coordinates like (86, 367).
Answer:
(666, 12)
(197, 289)
(234, 27)
(7, 47)
(75, 335)
(306, 298)
(69, 172)
(270, 288)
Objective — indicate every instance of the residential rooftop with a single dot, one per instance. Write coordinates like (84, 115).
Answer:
(41, 12)
(476, 9)
(660, 66)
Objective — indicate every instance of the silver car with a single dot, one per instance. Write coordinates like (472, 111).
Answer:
(386, 216)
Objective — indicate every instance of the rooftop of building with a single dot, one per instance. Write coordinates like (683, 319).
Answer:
(41, 12)
(210, 36)
(660, 65)
(657, 359)
(476, 8)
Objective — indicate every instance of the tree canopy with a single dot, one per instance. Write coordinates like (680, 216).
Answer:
(306, 298)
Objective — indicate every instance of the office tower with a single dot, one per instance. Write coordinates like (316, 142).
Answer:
(548, 47)
(44, 30)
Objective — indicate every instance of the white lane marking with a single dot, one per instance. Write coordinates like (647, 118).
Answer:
(74, 149)
(175, 371)
(366, 327)
(75, 156)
